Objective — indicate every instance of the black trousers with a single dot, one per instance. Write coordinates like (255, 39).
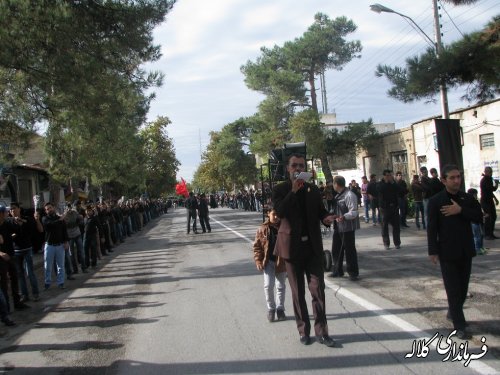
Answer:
(344, 243)
(390, 215)
(489, 221)
(456, 275)
(205, 224)
(310, 265)
(8, 272)
(191, 214)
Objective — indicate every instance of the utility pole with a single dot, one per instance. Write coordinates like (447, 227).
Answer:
(323, 91)
(439, 50)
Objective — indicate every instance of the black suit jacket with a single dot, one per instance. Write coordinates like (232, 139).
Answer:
(286, 204)
(451, 237)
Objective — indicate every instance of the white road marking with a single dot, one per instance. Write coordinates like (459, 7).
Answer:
(232, 230)
(479, 366)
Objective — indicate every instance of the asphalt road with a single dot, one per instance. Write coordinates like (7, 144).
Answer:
(169, 303)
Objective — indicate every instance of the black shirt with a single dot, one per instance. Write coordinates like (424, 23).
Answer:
(301, 198)
(6, 230)
(55, 230)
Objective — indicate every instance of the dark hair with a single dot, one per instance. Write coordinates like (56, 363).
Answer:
(49, 204)
(295, 155)
(364, 177)
(448, 168)
(423, 169)
(373, 175)
(472, 191)
(433, 170)
(386, 171)
(415, 176)
(399, 173)
(339, 180)
(15, 204)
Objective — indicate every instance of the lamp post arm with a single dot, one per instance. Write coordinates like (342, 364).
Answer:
(428, 39)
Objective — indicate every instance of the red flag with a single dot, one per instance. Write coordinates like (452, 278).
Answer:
(181, 188)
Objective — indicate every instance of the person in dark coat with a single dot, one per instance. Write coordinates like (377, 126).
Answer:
(451, 242)
(300, 207)
(203, 214)
(191, 205)
(488, 201)
(388, 193)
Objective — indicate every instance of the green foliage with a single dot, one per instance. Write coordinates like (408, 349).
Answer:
(225, 164)
(469, 61)
(354, 138)
(160, 163)
(76, 66)
(286, 75)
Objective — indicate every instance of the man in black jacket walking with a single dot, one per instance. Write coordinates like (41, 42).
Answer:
(488, 203)
(388, 192)
(191, 205)
(203, 214)
(450, 241)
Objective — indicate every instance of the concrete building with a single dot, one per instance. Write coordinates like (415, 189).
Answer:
(410, 148)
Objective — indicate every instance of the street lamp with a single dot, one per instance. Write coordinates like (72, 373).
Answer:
(438, 47)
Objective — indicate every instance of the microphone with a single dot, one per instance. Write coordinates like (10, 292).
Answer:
(295, 175)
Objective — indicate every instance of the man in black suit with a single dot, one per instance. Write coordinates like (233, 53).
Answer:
(300, 207)
(450, 241)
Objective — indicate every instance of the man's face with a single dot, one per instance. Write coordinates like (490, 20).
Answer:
(296, 165)
(15, 211)
(49, 209)
(388, 177)
(434, 174)
(452, 181)
(488, 172)
(399, 177)
(337, 188)
(424, 172)
(364, 180)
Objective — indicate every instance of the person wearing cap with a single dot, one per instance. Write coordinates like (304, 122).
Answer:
(8, 269)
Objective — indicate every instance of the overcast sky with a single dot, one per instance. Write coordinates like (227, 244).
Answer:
(204, 44)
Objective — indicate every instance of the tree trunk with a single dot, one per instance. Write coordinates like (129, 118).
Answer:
(314, 100)
(326, 168)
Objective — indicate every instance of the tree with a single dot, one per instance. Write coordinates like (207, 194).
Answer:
(76, 67)
(160, 163)
(343, 146)
(469, 61)
(287, 74)
(225, 164)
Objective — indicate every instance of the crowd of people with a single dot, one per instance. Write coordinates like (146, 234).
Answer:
(72, 241)
(288, 243)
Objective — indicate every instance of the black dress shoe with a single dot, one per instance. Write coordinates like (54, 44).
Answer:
(305, 340)
(21, 306)
(326, 340)
(462, 334)
(8, 322)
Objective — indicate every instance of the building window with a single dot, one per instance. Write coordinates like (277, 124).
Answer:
(487, 140)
